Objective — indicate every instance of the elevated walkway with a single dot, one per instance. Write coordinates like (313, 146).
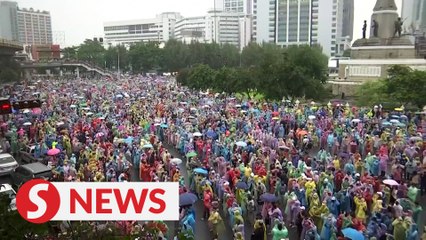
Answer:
(58, 64)
(8, 48)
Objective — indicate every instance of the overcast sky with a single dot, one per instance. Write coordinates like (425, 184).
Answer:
(81, 19)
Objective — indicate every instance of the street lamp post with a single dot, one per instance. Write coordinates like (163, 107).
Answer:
(118, 63)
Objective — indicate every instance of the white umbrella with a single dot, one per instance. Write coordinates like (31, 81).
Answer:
(356, 120)
(176, 161)
(197, 134)
(238, 106)
(193, 109)
(60, 123)
(283, 147)
(147, 146)
(73, 106)
(312, 117)
(26, 111)
(394, 121)
(101, 118)
(390, 182)
(183, 103)
(119, 96)
(243, 111)
(241, 144)
(27, 124)
(86, 109)
(89, 113)
(157, 124)
(206, 106)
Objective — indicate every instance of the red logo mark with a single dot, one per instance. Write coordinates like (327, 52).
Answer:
(38, 201)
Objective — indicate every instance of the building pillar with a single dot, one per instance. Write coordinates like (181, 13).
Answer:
(78, 72)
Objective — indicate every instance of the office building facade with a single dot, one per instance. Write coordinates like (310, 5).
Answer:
(293, 22)
(238, 6)
(191, 29)
(264, 21)
(34, 27)
(9, 20)
(414, 16)
(160, 29)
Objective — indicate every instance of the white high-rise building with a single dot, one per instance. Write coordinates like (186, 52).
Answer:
(217, 26)
(328, 23)
(239, 6)
(159, 29)
(8, 20)
(414, 16)
(228, 28)
(34, 27)
(264, 21)
(191, 29)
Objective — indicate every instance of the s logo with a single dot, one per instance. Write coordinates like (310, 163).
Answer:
(38, 201)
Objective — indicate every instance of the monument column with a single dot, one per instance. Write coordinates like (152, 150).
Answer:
(385, 13)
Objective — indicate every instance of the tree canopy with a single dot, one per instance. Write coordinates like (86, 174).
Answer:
(275, 72)
(403, 86)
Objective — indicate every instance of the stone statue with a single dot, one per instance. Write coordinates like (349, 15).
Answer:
(398, 27)
(385, 5)
(375, 26)
(364, 29)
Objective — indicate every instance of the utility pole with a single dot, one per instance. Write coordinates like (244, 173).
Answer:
(118, 63)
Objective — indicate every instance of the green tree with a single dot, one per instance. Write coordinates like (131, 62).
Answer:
(371, 92)
(145, 57)
(201, 77)
(91, 51)
(251, 54)
(117, 56)
(175, 56)
(70, 53)
(405, 85)
(13, 226)
(225, 80)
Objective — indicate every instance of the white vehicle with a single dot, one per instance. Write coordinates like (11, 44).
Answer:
(7, 189)
(7, 164)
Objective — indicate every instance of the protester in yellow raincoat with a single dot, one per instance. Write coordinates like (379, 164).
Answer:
(361, 207)
(377, 203)
(310, 187)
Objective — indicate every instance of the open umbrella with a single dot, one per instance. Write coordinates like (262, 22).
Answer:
(356, 120)
(53, 152)
(311, 117)
(176, 161)
(26, 111)
(395, 121)
(416, 139)
(27, 124)
(284, 147)
(241, 185)
(201, 171)
(197, 134)
(191, 154)
(353, 234)
(241, 144)
(390, 182)
(163, 125)
(186, 199)
(268, 197)
(147, 146)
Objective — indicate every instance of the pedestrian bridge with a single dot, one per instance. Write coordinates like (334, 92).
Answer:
(58, 64)
(8, 47)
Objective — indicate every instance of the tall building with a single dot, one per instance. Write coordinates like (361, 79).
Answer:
(264, 21)
(9, 20)
(228, 28)
(239, 6)
(34, 27)
(414, 16)
(161, 29)
(328, 23)
(293, 22)
(191, 29)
